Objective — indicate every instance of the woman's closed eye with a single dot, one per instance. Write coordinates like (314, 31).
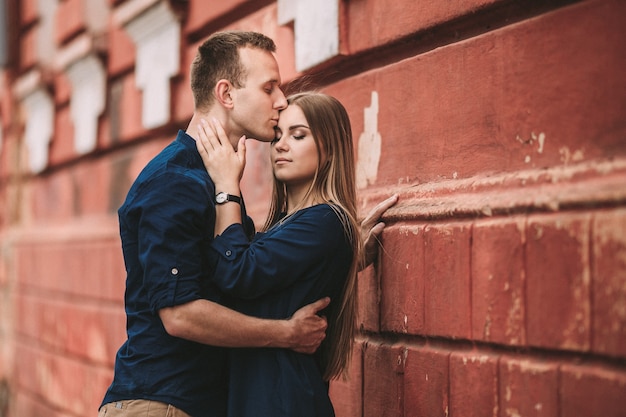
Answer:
(298, 134)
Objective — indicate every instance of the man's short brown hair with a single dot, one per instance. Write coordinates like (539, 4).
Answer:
(218, 58)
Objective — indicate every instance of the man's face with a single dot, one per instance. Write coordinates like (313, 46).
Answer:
(256, 105)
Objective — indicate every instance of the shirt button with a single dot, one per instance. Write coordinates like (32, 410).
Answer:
(174, 271)
(228, 253)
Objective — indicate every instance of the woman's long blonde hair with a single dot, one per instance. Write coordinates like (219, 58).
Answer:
(334, 183)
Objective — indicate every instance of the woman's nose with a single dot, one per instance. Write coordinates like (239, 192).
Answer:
(280, 145)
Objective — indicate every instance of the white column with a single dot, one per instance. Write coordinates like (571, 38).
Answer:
(45, 43)
(39, 109)
(156, 34)
(316, 29)
(88, 79)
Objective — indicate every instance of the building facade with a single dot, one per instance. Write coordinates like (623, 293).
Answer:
(501, 286)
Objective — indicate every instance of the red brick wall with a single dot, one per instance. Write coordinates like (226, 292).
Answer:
(501, 287)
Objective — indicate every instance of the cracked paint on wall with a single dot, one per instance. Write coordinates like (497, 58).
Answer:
(370, 143)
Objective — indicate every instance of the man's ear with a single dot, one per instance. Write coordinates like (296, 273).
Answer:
(223, 90)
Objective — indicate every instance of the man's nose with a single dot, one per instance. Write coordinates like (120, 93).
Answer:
(281, 102)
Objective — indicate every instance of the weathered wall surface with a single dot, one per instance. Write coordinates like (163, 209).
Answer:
(501, 288)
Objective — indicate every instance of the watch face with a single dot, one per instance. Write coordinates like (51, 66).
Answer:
(220, 198)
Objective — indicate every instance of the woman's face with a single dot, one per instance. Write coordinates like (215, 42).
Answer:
(293, 152)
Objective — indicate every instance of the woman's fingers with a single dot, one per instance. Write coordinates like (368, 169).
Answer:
(219, 132)
(202, 143)
(207, 135)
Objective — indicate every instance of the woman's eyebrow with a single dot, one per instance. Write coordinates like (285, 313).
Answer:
(298, 126)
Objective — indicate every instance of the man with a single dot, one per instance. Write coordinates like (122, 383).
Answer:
(173, 362)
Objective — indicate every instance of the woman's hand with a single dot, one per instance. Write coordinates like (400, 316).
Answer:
(222, 162)
(371, 228)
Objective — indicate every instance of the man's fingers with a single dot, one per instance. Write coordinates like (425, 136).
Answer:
(320, 304)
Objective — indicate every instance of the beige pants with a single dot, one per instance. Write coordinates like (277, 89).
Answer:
(140, 408)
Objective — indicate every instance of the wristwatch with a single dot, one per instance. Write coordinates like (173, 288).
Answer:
(222, 197)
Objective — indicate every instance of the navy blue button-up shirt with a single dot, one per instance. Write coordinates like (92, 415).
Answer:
(166, 227)
(295, 263)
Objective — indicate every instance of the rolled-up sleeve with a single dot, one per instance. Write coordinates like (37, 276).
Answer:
(174, 217)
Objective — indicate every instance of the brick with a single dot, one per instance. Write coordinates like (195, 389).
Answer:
(447, 309)
(181, 93)
(609, 282)
(52, 198)
(121, 51)
(62, 91)
(90, 179)
(109, 273)
(57, 380)
(121, 180)
(125, 109)
(528, 387)
(426, 382)
(498, 304)
(473, 384)
(28, 49)
(590, 391)
(383, 380)
(346, 395)
(69, 20)
(402, 279)
(28, 12)
(10, 158)
(91, 331)
(558, 282)
(6, 107)
(199, 14)
(396, 19)
(369, 302)
(62, 145)
(24, 404)
(493, 128)
(59, 261)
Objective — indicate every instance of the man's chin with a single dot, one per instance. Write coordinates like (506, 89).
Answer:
(262, 138)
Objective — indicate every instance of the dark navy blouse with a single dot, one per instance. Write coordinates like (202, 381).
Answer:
(166, 227)
(293, 264)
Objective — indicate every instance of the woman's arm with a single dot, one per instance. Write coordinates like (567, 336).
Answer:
(274, 260)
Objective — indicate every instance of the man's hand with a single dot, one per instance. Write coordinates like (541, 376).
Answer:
(371, 228)
(309, 329)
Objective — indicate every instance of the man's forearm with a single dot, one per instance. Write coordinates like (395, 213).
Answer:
(207, 322)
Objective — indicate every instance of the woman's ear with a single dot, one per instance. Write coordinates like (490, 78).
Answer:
(223, 90)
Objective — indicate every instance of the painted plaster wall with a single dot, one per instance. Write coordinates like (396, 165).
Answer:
(501, 288)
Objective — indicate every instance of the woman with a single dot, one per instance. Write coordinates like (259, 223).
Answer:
(307, 251)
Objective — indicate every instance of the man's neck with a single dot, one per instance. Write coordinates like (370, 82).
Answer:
(192, 128)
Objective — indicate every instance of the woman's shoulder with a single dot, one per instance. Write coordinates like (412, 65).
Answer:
(317, 216)
(322, 210)
(325, 216)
